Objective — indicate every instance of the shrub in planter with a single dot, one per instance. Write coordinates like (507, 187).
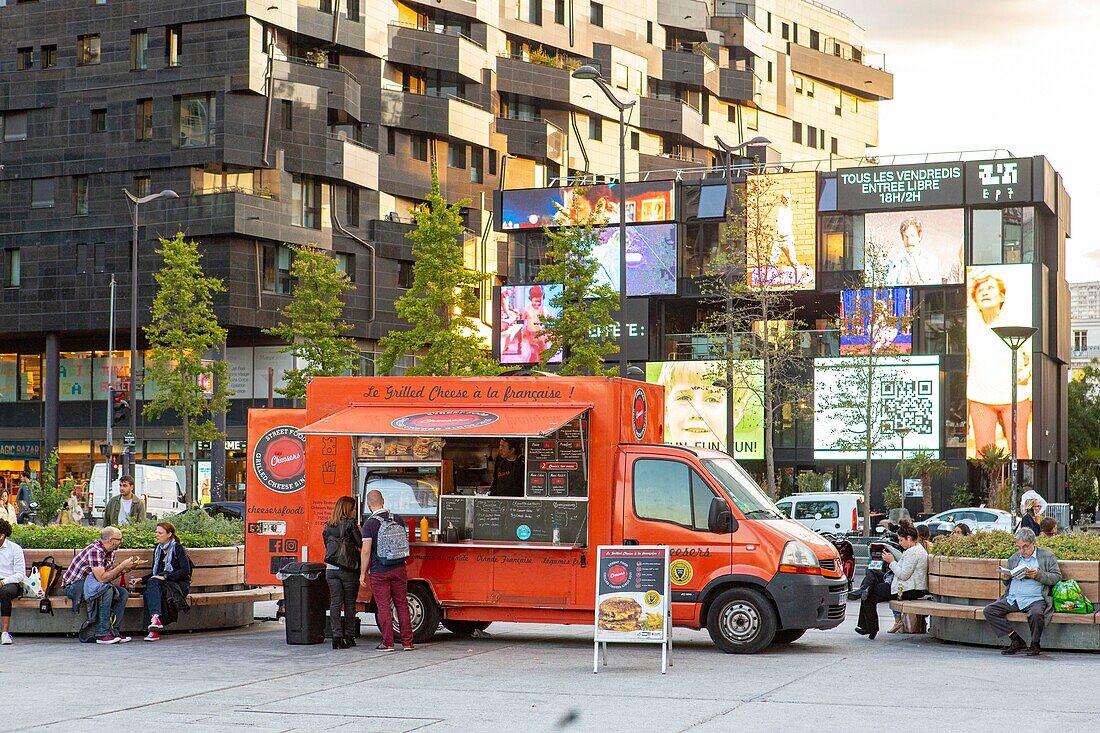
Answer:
(194, 529)
(1000, 545)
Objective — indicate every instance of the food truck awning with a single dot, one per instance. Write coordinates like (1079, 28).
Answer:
(504, 421)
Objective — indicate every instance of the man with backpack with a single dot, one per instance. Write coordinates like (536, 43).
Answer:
(385, 548)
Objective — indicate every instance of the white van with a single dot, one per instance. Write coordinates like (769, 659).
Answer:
(158, 487)
(825, 511)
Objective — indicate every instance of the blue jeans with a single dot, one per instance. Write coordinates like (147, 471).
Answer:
(112, 602)
(154, 594)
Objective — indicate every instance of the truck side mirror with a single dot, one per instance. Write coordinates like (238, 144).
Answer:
(720, 519)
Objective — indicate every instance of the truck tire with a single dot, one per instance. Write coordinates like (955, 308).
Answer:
(741, 621)
(464, 628)
(786, 636)
(424, 613)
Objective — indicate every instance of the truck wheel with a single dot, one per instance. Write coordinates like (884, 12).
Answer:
(424, 613)
(786, 636)
(741, 621)
(464, 628)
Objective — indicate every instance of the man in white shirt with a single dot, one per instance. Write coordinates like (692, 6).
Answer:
(13, 570)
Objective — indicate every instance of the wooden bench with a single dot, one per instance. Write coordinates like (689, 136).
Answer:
(218, 596)
(962, 587)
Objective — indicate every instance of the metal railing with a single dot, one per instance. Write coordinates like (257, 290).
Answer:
(344, 137)
(390, 86)
(318, 65)
(437, 30)
(247, 191)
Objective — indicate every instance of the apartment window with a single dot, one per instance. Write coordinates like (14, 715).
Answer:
(794, 32)
(477, 164)
(143, 120)
(100, 2)
(769, 26)
(798, 85)
(1002, 236)
(99, 257)
(492, 162)
(751, 117)
(24, 59)
(404, 274)
(418, 147)
(769, 71)
(88, 50)
(13, 268)
(80, 195)
(173, 45)
(838, 103)
(42, 193)
(796, 132)
(305, 202)
(276, 269)
(595, 127)
(649, 31)
(352, 205)
(197, 118)
(731, 113)
(326, 6)
(48, 60)
(345, 264)
(142, 184)
(833, 146)
(811, 136)
(99, 120)
(821, 139)
(534, 11)
(1080, 340)
(622, 76)
(635, 141)
(353, 10)
(785, 31)
(519, 107)
(139, 50)
(287, 108)
(81, 259)
(815, 40)
(853, 104)
(559, 12)
(810, 87)
(596, 14)
(391, 141)
(456, 155)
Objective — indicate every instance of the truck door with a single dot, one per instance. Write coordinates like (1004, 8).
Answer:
(667, 502)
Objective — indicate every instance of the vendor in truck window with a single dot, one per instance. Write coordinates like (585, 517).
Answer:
(508, 469)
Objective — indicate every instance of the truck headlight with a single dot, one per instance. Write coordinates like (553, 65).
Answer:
(799, 558)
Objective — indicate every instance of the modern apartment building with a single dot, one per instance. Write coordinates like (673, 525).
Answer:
(1085, 322)
(284, 122)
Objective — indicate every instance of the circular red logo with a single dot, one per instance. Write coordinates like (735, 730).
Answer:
(279, 459)
(638, 414)
(618, 575)
(444, 420)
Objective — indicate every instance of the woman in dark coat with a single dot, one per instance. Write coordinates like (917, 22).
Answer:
(343, 543)
(167, 586)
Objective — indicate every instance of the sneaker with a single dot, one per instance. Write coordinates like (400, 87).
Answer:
(408, 648)
(108, 639)
(5, 638)
(154, 623)
(122, 639)
(384, 648)
(153, 636)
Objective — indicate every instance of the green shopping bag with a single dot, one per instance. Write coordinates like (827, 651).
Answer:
(1068, 598)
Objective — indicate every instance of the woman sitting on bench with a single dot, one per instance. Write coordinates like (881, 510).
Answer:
(167, 586)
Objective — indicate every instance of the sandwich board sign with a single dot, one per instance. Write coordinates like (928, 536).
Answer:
(633, 602)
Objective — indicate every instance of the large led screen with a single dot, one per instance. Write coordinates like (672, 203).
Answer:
(781, 230)
(915, 247)
(535, 208)
(876, 322)
(997, 295)
(650, 258)
(523, 308)
(696, 410)
(905, 393)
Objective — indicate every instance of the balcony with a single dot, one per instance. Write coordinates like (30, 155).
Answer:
(741, 85)
(352, 161)
(437, 116)
(672, 116)
(849, 74)
(697, 68)
(533, 138)
(389, 235)
(740, 30)
(539, 81)
(445, 50)
(345, 91)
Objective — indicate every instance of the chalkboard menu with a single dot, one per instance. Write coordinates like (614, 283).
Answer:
(455, 510)
(520, 520)
(557, 466)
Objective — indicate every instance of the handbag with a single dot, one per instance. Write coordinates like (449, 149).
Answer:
(32, 585)
(338, 552)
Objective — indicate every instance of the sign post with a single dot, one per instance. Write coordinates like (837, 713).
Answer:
(633, 602)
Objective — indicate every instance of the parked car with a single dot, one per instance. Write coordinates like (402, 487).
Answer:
(825, 511)
(228, 509)
(979, 519)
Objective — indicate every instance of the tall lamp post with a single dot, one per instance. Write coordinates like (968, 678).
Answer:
(591, 73)
(135, 202)
(1014, 338)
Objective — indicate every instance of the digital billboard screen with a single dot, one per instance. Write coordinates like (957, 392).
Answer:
(915, 247)
(696, 410)
(900, 186)
(878, 321)
(997, 295)
(536, 208)
(905, 393)
(781, 230)
(650, 258)
(522, 310)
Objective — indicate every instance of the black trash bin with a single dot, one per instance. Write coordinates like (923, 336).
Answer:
(305, 592)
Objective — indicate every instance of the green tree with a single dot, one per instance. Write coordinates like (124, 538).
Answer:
(992, 461)
(893, 496)
(1083, 408)
(183, 332)
(49, 494)
(443, 294)
(313, 322)
(811, 481)
(925, 465)
(583, 331)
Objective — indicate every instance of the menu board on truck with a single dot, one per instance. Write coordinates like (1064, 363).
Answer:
(632, 598)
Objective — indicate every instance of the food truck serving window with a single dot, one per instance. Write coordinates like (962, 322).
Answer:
(409, 491)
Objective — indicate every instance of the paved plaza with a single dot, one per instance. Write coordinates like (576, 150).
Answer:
(530, 679)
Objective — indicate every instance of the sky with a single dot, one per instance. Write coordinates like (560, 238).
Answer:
(984, 74)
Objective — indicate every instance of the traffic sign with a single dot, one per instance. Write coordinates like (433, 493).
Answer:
(128, 440)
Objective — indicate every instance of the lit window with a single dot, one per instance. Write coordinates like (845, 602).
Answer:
(88, 50)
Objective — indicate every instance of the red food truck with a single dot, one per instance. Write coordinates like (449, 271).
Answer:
(595, 472)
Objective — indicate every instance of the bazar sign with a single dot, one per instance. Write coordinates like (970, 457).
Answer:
(20, 450)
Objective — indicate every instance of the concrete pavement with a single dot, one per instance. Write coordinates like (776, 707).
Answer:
(527, 679)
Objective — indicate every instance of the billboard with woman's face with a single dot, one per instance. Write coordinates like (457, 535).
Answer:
(519, 330)
(997, 295)
(906, 248)
(536, 208)
(696, 410)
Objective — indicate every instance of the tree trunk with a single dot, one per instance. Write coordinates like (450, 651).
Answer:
(926, 490)
(188, 481)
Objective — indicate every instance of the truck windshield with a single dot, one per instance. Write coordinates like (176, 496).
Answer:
(740, 487)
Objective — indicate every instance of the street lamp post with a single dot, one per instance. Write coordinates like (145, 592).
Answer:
(591, 73)
(1014, 337)
(135, 202)
(901, 432)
